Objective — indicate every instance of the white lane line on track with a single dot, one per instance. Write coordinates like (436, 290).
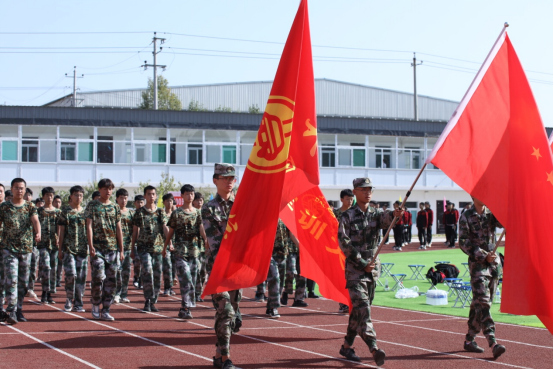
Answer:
(51, 347)
(130, 334)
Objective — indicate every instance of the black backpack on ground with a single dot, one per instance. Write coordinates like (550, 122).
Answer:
(435, 276)
(449, 270)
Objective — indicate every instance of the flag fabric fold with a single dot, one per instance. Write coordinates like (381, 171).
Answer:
(495, 147)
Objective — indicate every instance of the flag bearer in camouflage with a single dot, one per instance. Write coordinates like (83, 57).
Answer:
(293, 273)
(124, 271)
(48, 246)
(477, 227)
(168, 258)
(276, 272)
(149, 229)
(2, 197)
(186, 228)
(215, 214)
(359, 229)
(202, 277)
(347, 199)
(139, 203)
(19, 220)
(73, 249)
(57, 203)
(105, 242)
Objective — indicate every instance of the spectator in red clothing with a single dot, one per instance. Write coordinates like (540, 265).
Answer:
(450, 221)
(398, 230)
(407, 227)
(430, 220)
(422, 224)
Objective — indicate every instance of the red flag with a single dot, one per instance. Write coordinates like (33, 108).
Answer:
(245, 252)
(495, 147)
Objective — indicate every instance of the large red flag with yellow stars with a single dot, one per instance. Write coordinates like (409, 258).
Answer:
(282, 167)
(495, 147)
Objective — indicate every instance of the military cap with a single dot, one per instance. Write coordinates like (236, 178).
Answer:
(362, 182)
(224, 170)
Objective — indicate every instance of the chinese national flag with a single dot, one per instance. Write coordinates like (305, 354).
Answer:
(283, 167)
(495, 147)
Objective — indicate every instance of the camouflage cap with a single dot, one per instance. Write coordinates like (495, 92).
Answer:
(224, 170)
(362, 182)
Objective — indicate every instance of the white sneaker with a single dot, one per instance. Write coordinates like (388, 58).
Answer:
(78, 309)
(125, 299)
(68, 305)
(116, 299)
(32, 294)
(106, 316)
(95, 312)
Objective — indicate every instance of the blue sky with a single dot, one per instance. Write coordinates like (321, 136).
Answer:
(452, 39)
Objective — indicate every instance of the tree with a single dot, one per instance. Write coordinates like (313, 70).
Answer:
(167, 100)
(254, 109)
(194, 105)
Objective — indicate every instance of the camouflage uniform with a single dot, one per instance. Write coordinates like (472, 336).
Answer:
(150, 244)
(1, 270)
(104, 265)
(214, 218)
(186, 227)
(337, 212)
(17, 238)
(124, 271)
(277, 266)
(476, 240)
(201, 278)
(75, 253)
(168, 270)
(35, 256)
(293, 272)
(358, 235)
(47, 248)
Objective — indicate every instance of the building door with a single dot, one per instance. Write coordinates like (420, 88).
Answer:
(438, 217)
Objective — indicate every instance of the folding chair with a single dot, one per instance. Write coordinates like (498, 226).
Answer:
(441, 262)
(416, 271)
(385, 272)
(466, 272)
(449, 282)
(398, 278)
(464, 295)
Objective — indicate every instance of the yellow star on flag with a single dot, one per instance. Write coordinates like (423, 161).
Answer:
(536, 153)
(549, 177)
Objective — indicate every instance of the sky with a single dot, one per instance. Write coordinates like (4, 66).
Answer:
(365, 42)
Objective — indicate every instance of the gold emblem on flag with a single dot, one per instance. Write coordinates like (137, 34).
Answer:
(271, 149)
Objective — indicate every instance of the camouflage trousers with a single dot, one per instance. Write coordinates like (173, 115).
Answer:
(16, 277)
(59, 271)
(275, 282)
(136, 265)
(152, 269)
(47, 264)
(168, 271)
(123, 275)
(187, 280)
(293, 272)
(75, 267)
(33, 269)
(359, 322)
(1, 280)
(103, 271)
(202, 276)
(227, 311)
(260, 289)
(173, 266)
(480, 319)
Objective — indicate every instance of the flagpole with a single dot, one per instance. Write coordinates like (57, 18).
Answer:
(396, 218)
(499, 240)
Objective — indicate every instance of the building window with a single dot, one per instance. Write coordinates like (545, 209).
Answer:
(213, 154)
(29, 151)
(358, 156)
(344, 157)
(230, 154)
(85, 151)
(9, 150)
(141, 153)
(195, 154)
(327, 157)
(104, 150)
(122, 152)
(245, 151)
(382, 158)
(159, 153)
(67, 151)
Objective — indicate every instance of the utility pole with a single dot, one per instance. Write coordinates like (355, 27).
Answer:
(155, 66)
(415, 64)
(74, 101)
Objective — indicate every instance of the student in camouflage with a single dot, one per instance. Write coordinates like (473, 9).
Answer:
(347, 200)
(124, 271)
(137, 282)
(359, 229)
(57, 203)
(73, 249)
(215, 214)
(2, 197)
(168, 258)
(35, 255)
(186, 228)
(276, 272)
(105, 242)
(477, 229)
(48, 246)
(19, 220)
(149, 230)
(202, 277)
(292, 273)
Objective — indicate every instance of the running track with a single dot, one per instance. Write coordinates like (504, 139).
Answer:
(302, 338)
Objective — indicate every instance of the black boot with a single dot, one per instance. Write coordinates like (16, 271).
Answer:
(49, 298)
(153, 307)
(12, 318)
(20, 317)
(146, 306)
(43, 297)
(284, 299)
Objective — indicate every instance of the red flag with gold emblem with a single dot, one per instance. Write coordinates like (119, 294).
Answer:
(495, 147)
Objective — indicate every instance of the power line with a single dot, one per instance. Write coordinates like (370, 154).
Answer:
(73, 33)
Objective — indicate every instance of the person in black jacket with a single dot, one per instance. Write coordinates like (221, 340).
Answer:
(422, 224)
(430, 219)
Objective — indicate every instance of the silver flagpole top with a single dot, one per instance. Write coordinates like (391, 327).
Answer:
(506, 24)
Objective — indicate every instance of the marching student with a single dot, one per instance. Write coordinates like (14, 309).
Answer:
(124, 270)
(347, 199)
(73, 249)
(149, 228)
(57, 203)
(105, 242)
(137, 282)
(48, 245)
(276, 272)
(186, 229)
(450, 220)
(19, 220)
(201, 279)
(168, 261)
(2, 198)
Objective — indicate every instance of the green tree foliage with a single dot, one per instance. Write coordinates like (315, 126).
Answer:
(166, 99)
(166, 184)
(223, 109)
(254, 109)
(194, 105)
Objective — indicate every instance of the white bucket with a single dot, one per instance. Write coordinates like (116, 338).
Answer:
(437, 297)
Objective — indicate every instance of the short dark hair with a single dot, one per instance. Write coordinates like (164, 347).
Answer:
(167, 196)
(427, 203)
(1, 185)
(121, 192)
(95, 194)
(57, 197)
(106, 183)
(372, 202)
(347, 192)
(421, 203)
(74, 189)
(149, 188)
(19, 180)
(28, 191)
(198, 195)
(8, 193)
(139, 198)
(397, 202)
(187, 188)
(39, 199)
(46, 190)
